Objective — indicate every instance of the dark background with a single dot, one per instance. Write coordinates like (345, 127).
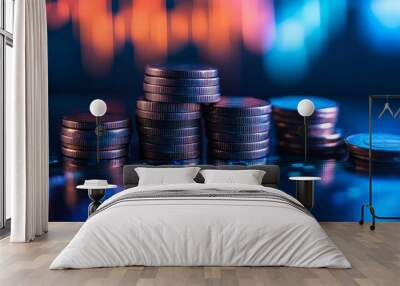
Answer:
(351, 52)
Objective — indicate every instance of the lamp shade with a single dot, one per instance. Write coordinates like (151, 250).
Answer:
(305, 107)
(98, 107)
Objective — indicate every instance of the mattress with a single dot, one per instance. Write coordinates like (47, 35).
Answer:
(201, 225)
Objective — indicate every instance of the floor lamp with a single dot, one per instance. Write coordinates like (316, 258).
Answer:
(305, 108)
(98, 108)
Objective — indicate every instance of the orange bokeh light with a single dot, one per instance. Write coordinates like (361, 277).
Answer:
(217, 28)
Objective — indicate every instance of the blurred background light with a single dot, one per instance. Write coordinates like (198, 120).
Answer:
(303, 26)
(387, 12)
(380, 24)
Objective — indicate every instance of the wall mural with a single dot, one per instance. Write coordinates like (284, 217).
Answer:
(214, 81)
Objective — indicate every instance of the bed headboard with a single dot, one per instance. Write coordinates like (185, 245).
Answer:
(271, 177)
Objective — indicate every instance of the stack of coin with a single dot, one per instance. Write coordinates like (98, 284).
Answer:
(170, 133)
(238, 129)
(323, 138)
(78, 164)
(385, 149)
(181, 83)
(79, 140)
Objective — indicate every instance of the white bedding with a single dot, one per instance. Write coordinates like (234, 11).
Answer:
(192, 231)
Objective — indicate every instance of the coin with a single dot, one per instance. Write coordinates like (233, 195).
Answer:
(322, 135)
(376, 158)
(181, 71)
(241, 120)
(382, 143)
(181, 90)
(103, 141)
(316, 116)
(173, 162)
(238, 129)
(238, 138)
(311, 146)
(299, 120)
(168, 116)
(385, 147)
(314, 127)
(92, 147)
(289, 103)
(146, 105)
(91, 135)
(239, 106)
(168, 124)
(178, 132)
(383, 168)
(181, 81)
(169, 156)
(108, 154)
(312, 130)
(242, 155)
(234, 147)
(88, 121)
(331, 137)
(157, 97)
(170, 139)
(170, 148)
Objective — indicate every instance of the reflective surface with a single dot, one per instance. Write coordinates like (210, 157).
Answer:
(342, 50)
(338, 196)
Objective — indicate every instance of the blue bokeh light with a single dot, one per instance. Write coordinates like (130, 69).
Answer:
(380, 25)
(302, 28)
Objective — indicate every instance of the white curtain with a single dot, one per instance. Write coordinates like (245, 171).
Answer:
(27, 124)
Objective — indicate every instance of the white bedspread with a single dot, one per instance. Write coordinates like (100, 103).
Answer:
(200, 231)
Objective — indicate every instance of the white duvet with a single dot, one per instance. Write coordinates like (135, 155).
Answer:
(200, 231)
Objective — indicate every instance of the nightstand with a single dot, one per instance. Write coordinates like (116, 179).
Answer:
(96, 191)
(305, 190)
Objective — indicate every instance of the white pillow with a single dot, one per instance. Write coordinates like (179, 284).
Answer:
(248, 177)
(166, 176)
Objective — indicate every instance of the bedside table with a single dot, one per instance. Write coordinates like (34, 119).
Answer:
(305, 190)
(96, 191)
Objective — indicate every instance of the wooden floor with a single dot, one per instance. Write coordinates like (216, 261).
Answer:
(375, 257)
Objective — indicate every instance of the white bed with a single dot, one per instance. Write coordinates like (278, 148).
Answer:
(138, 227)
